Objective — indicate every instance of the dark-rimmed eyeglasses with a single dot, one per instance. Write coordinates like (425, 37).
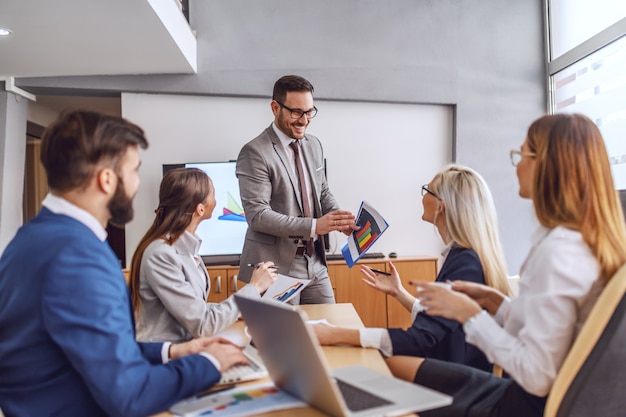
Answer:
(426, 190)
(297, 113)
(516, 156)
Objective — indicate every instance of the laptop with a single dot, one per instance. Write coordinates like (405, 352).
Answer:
(297, 365)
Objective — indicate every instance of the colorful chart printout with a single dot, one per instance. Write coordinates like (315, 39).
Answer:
(360, 241)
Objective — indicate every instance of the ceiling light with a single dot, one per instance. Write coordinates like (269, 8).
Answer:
(5, 32)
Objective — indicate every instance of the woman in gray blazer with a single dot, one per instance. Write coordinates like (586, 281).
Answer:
(169, 283)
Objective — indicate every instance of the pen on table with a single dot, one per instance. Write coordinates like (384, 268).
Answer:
(261, 263)
(215, 391)
(378, 271)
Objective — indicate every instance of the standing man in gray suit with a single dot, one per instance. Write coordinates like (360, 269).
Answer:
(288, 221)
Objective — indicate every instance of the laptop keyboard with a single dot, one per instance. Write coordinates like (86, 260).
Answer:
(241, 372)
(237, 373)
(357, 399)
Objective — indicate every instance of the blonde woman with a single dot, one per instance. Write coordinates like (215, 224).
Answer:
(580, 243)
(459, 204)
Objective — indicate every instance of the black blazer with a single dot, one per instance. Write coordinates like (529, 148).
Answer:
(439, 338)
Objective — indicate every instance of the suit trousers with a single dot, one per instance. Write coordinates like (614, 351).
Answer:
(320, 290)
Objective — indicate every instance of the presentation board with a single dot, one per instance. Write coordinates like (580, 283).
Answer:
(224, 233)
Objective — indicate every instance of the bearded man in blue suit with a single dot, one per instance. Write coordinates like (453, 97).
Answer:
(67, 338)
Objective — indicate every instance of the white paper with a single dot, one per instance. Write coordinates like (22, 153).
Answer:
(373, 225)
(236, 336)
(237, 402)
(285, 288)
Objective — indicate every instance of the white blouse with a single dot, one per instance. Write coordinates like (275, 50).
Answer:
(530, 335)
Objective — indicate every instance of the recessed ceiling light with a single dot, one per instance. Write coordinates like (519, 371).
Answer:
(5, 32)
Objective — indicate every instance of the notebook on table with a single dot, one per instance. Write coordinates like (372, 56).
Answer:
(296, 364)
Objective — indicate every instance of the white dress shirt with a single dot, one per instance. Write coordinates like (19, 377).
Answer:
(59, 205)
(530, 335)
(286, 141)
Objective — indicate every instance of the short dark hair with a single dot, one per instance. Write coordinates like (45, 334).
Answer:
(288, 83)
(78, 141)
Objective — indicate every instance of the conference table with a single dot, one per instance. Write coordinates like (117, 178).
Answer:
(341, 315)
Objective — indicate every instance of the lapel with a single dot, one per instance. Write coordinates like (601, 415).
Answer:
(187, 254)
(309, 165)
(286, 163)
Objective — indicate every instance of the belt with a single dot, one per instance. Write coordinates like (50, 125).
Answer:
(301, 250)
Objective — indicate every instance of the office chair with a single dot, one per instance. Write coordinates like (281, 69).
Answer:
(592, 379)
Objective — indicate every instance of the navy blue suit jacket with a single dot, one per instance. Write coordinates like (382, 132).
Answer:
(439, 338)
(67, 338)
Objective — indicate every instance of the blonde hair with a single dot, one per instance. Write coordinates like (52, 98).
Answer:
(471, 220)
(573, 185)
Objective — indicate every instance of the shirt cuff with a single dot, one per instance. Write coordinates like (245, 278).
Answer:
(473, 321)
(376, 338)
(313, 224)
(165, 349)
(503, 311)
(213, 360)
(416, 309)
(165, 352)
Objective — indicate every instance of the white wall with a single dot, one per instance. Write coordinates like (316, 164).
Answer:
(13, 111)
(379, 152)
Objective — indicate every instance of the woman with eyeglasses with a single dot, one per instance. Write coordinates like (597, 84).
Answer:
(579, 245)
(169, 283)
(459, 204)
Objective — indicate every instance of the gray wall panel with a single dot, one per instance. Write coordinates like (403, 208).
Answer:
(485, 57)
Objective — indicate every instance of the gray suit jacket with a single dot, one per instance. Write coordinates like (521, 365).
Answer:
(271, 200)
(173, 290)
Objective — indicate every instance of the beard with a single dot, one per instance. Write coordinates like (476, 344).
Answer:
(120, 206)
(287, 126)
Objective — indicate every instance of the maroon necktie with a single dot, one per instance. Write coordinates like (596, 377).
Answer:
(304, 193)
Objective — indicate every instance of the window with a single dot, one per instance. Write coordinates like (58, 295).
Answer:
(587, 73)
(572, 22)
(596, 87)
